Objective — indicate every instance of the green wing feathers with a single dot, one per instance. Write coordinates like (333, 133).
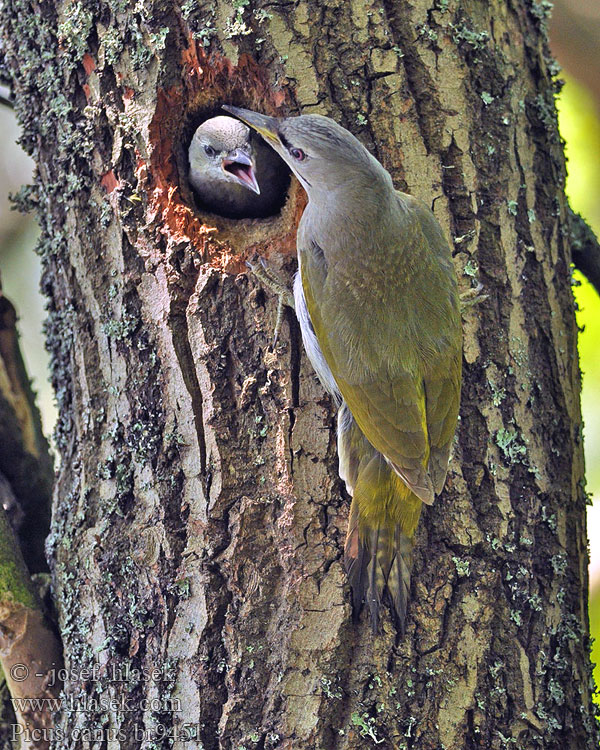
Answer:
(392, 415)
(392, 340)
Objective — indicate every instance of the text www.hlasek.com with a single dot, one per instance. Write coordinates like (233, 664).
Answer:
(121, 705)
(89, 704)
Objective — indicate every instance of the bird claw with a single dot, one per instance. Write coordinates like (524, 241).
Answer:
(472, 297)
(254, 266)
(272, 281)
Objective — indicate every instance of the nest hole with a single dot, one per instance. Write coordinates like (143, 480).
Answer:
(223, 242)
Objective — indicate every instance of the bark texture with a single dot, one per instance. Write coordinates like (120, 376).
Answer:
(198, 517)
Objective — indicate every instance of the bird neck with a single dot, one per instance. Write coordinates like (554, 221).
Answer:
(353, 205)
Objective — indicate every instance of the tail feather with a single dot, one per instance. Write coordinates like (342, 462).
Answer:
(376, 562)
(376, 578)
(398, 579)
(378, 550)
(356, 561)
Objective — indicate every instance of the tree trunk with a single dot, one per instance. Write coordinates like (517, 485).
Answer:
(198, 519)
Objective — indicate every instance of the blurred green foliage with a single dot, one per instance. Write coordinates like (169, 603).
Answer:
(579, 121)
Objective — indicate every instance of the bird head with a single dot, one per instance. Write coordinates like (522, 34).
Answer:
(323, 155)
(221, 151)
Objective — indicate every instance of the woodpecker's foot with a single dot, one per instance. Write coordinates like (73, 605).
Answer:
(272, 281)
(472, 297)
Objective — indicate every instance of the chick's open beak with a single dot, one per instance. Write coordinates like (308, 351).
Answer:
(263, 124)
(240, 165)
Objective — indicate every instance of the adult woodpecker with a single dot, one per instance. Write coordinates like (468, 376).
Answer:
(377, 301)
(234, 174)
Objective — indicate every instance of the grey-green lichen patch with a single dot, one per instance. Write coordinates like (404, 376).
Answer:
(75, 28)
(498, 393)
(542, 11)
(427, 33)
(549, 518)
(366, 726)
(143, 45)
(111, 46)
(121, 329)
(554, 665)
(461, 33)
(330, 690)
(559, 564)
(236, 24)
(144, 439)
(542, 108)
(509, 442)
(262, 15)
(201, 21)
(471, 267)
(205, 34)
(159, 39)
(463, 567)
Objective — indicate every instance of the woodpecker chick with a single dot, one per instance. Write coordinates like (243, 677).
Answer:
(233, 173)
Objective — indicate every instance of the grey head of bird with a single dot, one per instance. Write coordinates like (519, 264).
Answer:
(220, 153)
(323, 155)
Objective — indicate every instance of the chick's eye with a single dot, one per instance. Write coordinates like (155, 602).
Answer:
(209, 151)
(298, 154)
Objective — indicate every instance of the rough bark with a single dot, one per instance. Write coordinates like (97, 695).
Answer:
(198, 517)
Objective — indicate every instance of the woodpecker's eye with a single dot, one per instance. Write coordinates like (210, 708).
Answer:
(209, 151)
(298, 154)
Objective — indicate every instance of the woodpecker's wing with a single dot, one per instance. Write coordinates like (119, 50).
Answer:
(393, 343)
(442, 378)
(411, 422)
(392, 416)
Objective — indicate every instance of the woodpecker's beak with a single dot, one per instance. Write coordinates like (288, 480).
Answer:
(263, 124)
(240, 165)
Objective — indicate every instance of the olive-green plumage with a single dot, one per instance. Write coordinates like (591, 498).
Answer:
(378, 304)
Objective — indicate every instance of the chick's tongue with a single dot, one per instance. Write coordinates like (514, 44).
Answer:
(241, 171)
